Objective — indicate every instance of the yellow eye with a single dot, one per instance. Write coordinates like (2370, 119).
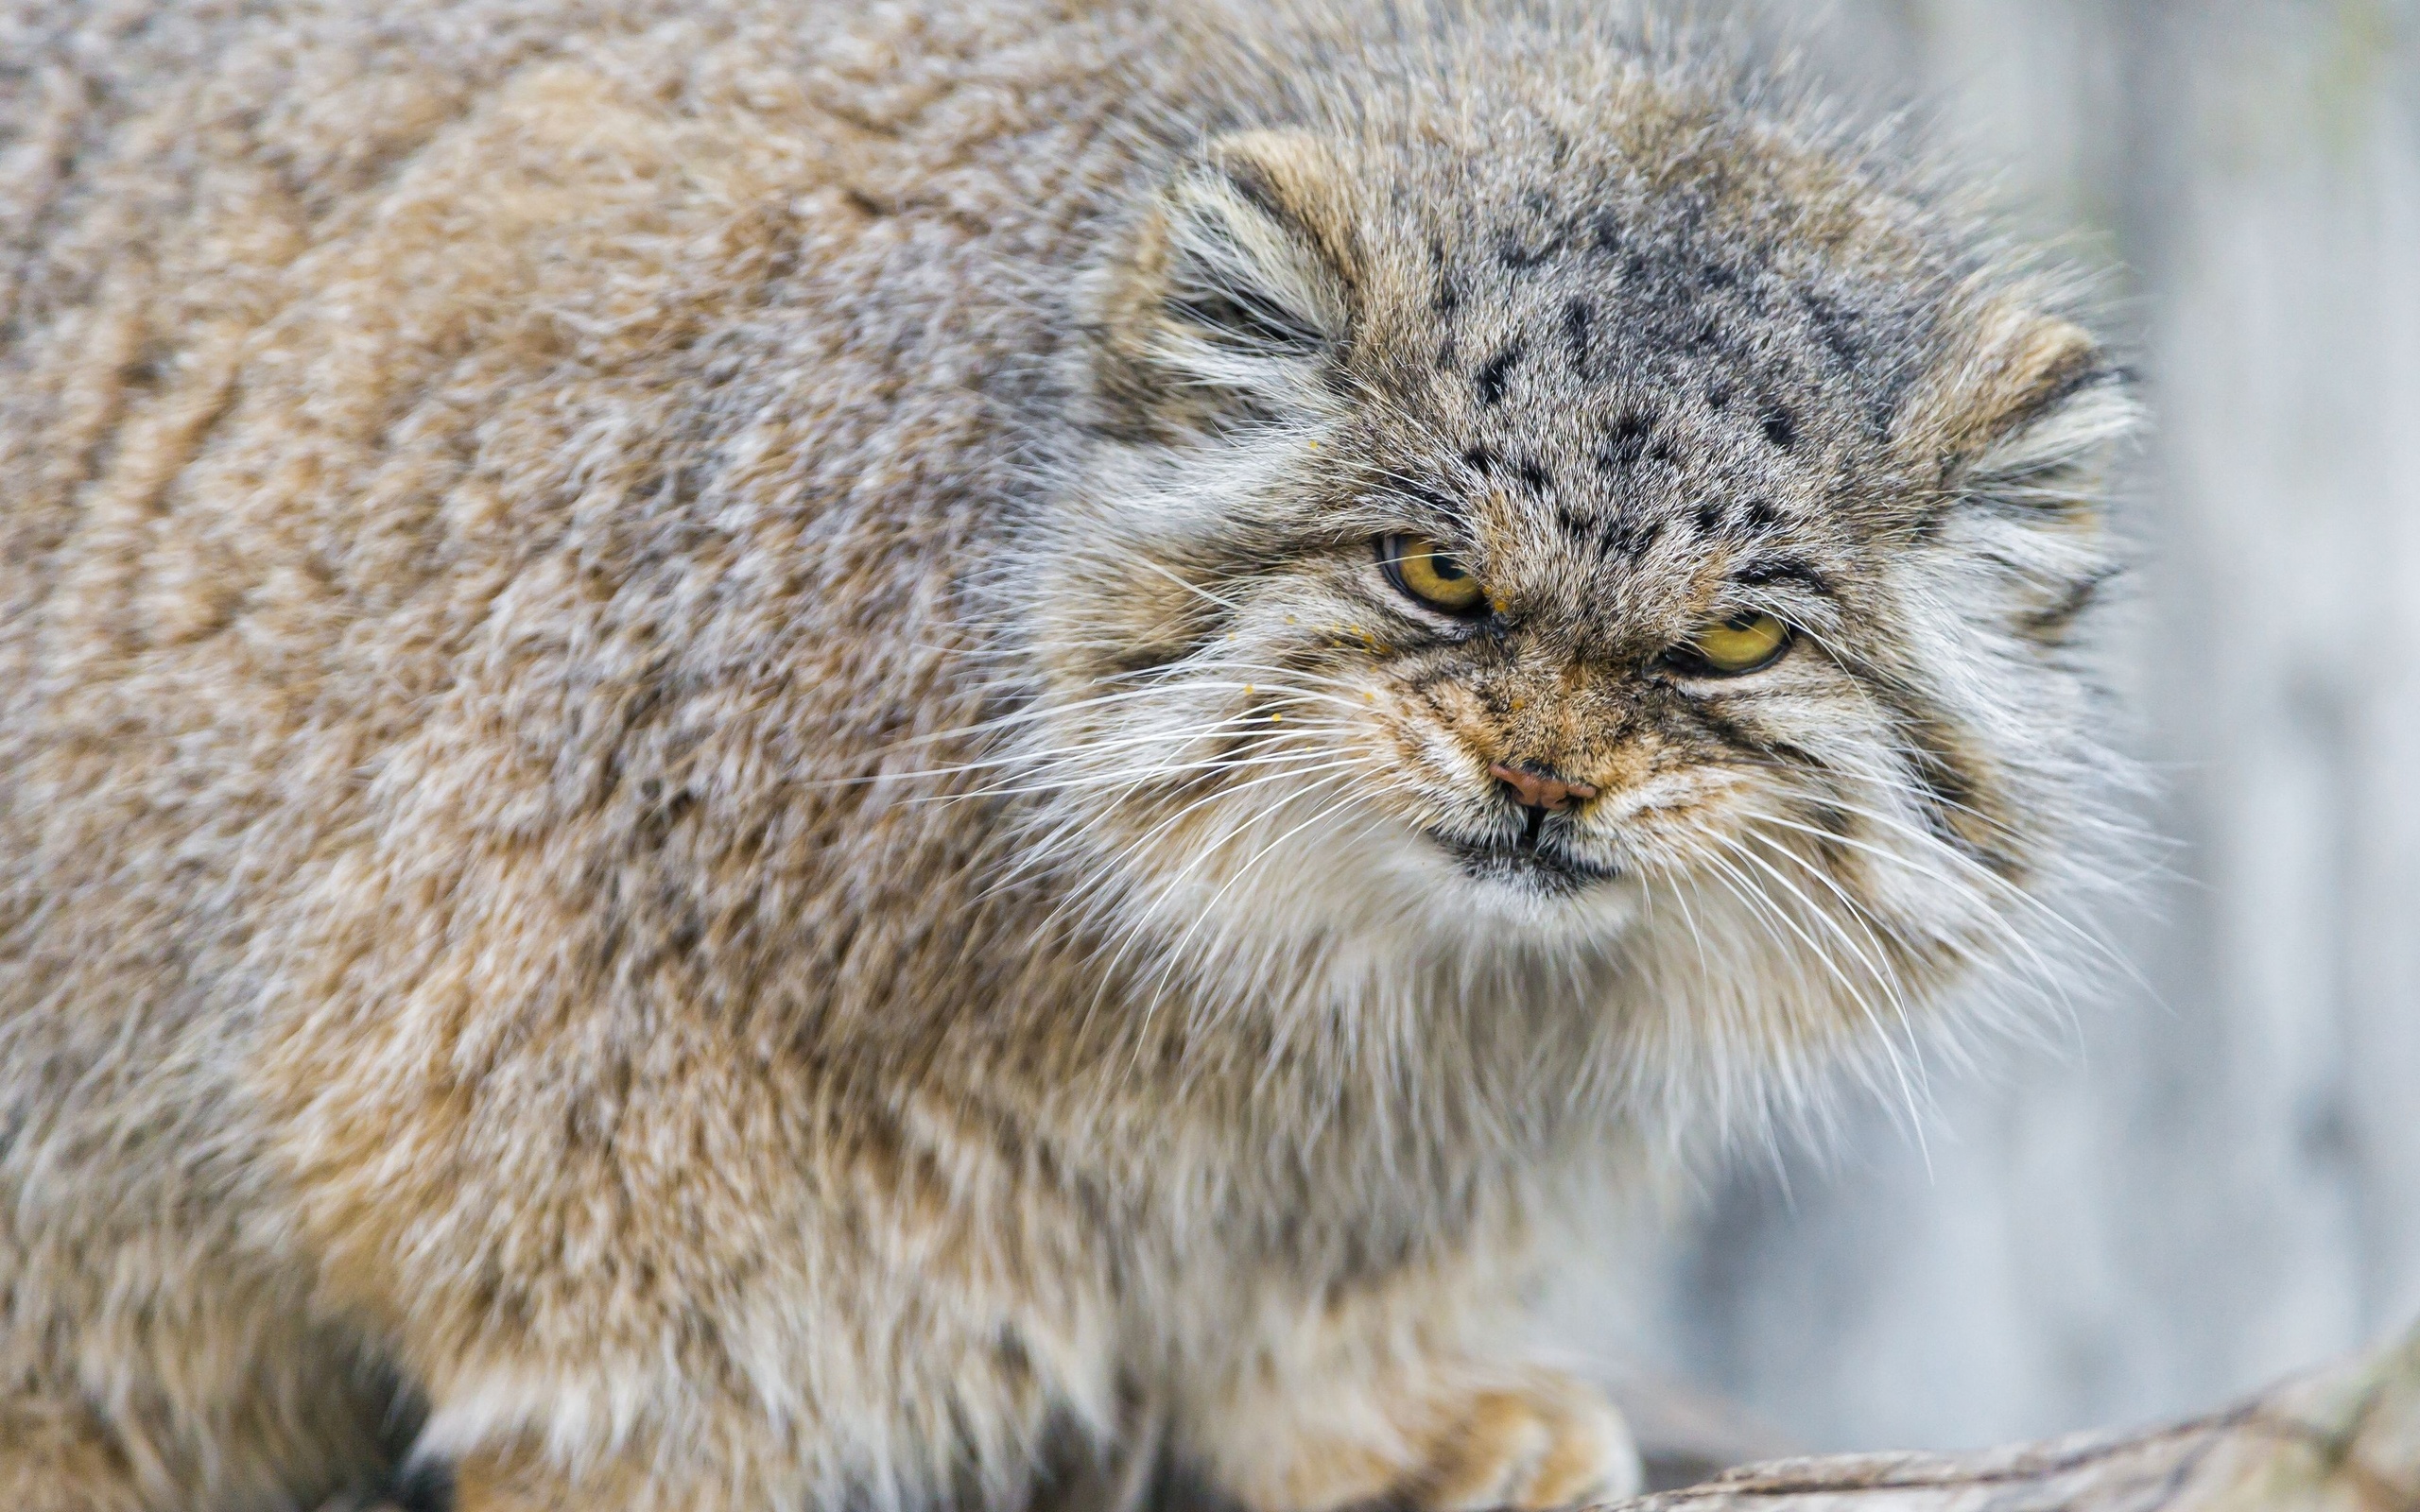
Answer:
(1429, 573)
(1747, 643)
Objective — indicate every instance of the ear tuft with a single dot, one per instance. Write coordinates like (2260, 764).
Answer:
(1237, 274)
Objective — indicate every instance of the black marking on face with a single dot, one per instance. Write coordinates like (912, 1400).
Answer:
(1781, 428)
(1626, 443)
(1718, 396)
(1493, 373)
(1578, 322)
(1516, 252)
(1761, 514)
(1731, 733)
(1710, 518)
(1631, 539)
(1480, 459)
(1532, 476)
(1426, 498)
(1448, 295)
(1519, 258)
(1835, 326)
(1782, 570)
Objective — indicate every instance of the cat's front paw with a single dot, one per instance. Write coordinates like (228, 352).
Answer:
(1551, 1441)
(1529, 1439)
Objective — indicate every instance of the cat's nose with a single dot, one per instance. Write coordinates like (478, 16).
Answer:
(1534, 787)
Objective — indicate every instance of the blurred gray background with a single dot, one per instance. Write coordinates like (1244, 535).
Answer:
(2204, 1185)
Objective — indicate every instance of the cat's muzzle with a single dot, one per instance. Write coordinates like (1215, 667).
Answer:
(1538, 858)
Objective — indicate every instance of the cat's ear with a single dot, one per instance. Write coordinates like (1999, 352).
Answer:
(1234, 283)
(2022, 425)
(2028, 415)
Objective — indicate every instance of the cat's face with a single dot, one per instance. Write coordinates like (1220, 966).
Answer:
(1606, 548)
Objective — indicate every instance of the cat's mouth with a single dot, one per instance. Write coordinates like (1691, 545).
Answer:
(1535, 859)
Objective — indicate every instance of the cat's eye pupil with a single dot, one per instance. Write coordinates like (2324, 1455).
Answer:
(1742, 643)
(1423, 570)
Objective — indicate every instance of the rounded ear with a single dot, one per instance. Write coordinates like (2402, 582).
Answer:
(2029, 415)
(1237, 274)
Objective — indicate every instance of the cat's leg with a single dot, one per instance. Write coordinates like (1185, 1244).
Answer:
(1540, 1439)
(974, 1440)
(199, 1430)
(151, 1359)
(830, 1339)
(1462, 1438)
(1391, 1395)
(57, 1455)
(1075, 1471)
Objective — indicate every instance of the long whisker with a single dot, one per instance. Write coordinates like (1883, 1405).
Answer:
(2015, 894)
(1190, 866)
(1224, 792)
(1176, 953)
(1857, 996)
(1985, 913)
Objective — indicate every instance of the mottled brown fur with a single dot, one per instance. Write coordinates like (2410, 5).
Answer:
(555, 556)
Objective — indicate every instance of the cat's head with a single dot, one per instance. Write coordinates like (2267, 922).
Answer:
(1592, 521)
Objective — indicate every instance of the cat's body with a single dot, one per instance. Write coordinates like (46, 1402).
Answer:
(646, 833)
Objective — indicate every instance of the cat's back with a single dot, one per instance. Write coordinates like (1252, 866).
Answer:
(442, 444)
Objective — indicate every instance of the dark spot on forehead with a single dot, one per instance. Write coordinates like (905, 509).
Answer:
(1710, 518)
(1520, 256)
(1493, 373)
(1625, 537)
(1761, 513)
(1480, 459)
(1577, 321)
(1523, 247)
(1532, 475)
(1615, 534)
(1447, 296)
(1835, 326)
(1625, 444)
(1781, 428)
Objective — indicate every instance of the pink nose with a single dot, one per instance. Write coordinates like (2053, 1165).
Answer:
(1539, 790)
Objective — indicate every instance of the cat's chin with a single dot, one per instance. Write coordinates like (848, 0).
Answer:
(1516, 903)
(1527, 867)
(1393, 887)
(1492, 895)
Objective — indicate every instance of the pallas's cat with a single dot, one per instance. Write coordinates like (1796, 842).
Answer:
(753, 756)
